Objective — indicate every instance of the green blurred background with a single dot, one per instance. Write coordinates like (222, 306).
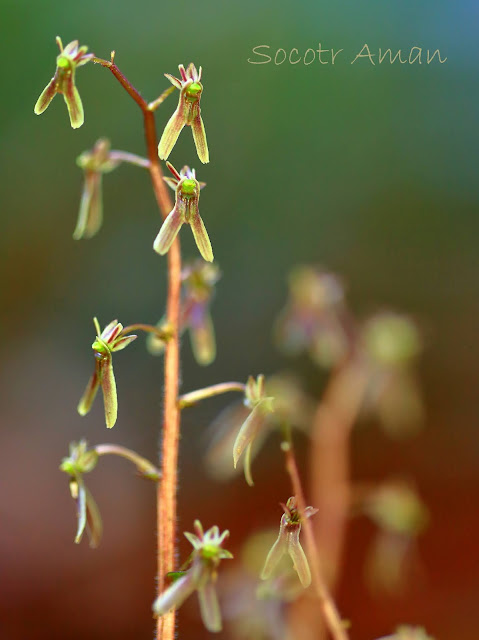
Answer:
(367, 170)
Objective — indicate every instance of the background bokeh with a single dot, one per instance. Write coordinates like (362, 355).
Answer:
(367, 170)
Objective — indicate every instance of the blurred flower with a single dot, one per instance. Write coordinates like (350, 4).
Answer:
(69, 58)
(390, 345)
(94, 164)
(201, 577)
(187, 189)
(198, 284)
(108, 341)
(81, 461)
(401, 517)
(288, 542)
(291, 406)
(314, 317)
(260, 406)
(408, 633)
(188, 112)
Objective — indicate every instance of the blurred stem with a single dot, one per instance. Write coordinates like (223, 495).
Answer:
(330, 612)
(162, 334)
(190, 399)
(144, 466)
(130, 158)
(166, 493)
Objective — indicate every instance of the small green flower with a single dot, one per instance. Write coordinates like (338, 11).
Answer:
(188, 112)
(260, 405)
(288, 542)
(69, 58)
(107, 341)
(80, 461)
(94, 164)
(187, 189)
(198, 284)
(201, 577)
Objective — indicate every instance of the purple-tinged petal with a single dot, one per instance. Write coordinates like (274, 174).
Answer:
(298, 556)
(201, 238)
(111, 331)
(174, 595)
(199, 136)
(172, 169)
(170, 134)
(174, 81)
(108, 386)
(123, 342)
(73, 101)
(169, 229)
(183, 73)
(90, 215)
(202, 335)
(71, 49)
(88, 396)
(209, 607)
(46, 96)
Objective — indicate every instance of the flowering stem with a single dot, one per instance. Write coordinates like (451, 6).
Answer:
(162, 334)
(131, 158)
(330, 612)
(144, 466)
(166, 494)
(190, 399)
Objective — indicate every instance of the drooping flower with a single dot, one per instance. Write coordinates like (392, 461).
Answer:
(260, 406)
(188, 112)
(198, 284)
(288, 542)
(106, 342)
(69, 58)
(80, 461)
(315, 318)
(201, 577)
(187, 190)
(94, 164)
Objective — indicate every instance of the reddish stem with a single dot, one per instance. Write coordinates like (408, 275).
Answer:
(166, 494)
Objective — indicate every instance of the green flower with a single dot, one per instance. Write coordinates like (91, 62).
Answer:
(201, 577)
(288, 542)
(81, 461)
(188, 112)
(94, 164)
(69, 58)
(107, 341)
(187, 189)
(260, 406)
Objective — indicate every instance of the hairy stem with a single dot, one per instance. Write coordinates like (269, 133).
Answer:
(166, 493)
(329, 610)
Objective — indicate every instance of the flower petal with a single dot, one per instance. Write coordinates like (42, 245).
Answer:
(275, 554)
(89, 394)
(170, 134)
(108, 386)
(199, 136)
(174, 81)
(248, 431)
(298, 557)
(209, 607)
(169, 229)
(202, 335)
(247, 465)
(46, 96)
(78, 490)
(174, 595)
(94, 525)
(201, 238)
(73, 101)
(90, 216)
(123, 342)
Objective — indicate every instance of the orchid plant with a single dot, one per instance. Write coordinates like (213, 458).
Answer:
(315, 319)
